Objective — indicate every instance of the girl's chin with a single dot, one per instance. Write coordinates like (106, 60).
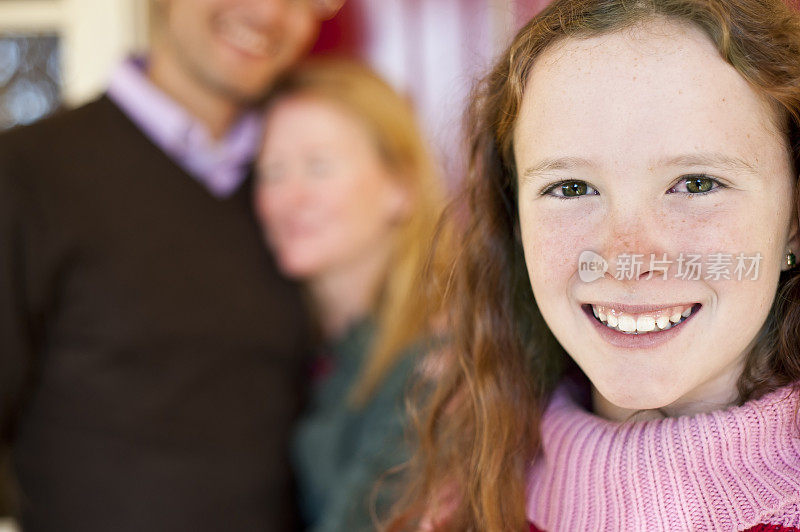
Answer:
(632, 400)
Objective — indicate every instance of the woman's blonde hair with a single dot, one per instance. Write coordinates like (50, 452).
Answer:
(405, 305)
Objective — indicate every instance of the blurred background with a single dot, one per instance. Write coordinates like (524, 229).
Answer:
(60, 53)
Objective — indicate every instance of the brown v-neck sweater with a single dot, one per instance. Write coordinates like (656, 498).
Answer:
(150, 354)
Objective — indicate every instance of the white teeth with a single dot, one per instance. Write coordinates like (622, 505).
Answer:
(638, 324)
(245, 38)
(627, 324)
(662, 322)
(645, 324)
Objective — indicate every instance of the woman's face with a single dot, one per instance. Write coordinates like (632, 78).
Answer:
(631, 146)
(325, 196)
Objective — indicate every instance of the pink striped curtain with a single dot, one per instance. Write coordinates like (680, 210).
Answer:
(433, 51)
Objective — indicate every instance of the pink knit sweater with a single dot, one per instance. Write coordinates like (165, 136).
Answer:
(727, 470)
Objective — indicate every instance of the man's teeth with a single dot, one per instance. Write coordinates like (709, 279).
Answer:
(658, 320)
(244, 37)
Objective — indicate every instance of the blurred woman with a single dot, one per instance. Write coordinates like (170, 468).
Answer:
(349, 199)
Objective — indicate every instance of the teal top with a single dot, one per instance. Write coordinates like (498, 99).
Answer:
(339, 452)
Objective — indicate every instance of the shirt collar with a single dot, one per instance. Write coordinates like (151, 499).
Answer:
(178, 133)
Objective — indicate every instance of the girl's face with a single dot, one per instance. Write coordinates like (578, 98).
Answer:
(325, 196)
(631, 146)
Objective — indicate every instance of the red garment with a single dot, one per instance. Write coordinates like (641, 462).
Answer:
(772, 528)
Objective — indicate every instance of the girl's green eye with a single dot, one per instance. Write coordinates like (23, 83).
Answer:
(576, 188)
(696, 185)
(569, 189)
(699, 184)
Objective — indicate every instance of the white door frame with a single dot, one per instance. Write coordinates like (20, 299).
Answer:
(95, 36)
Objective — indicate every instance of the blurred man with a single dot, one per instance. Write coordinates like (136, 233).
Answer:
(149, 352)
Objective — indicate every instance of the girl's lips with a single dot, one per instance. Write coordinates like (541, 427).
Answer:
(637, 341)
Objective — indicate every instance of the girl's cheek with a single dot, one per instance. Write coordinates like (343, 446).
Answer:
(553, 244)
(726, 229)
(553, 238)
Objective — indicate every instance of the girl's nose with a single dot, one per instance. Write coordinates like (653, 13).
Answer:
(634, 245)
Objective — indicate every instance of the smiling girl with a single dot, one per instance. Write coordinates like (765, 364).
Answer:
(652, 135)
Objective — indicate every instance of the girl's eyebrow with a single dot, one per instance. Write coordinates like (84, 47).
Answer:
(558, 163)
(708, 159)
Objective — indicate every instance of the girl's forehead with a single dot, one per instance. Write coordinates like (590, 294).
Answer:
(653, 87)
(658, 56)
(657, 34)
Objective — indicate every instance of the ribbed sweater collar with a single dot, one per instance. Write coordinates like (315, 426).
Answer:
(724, 470)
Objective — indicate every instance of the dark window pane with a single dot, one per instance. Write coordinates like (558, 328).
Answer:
(30, 78)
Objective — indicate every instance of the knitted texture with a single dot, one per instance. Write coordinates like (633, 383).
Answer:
(757, 528)
(732, 469)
